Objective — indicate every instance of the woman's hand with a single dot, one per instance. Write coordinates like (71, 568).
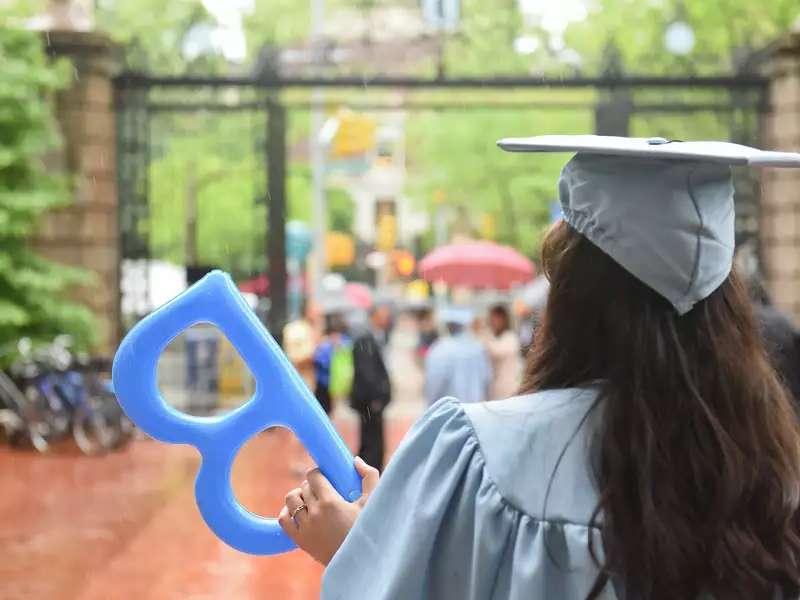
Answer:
(320, 528)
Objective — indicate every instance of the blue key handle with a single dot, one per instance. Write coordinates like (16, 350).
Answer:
(281, 398)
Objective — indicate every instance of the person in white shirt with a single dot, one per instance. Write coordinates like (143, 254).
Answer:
(503, 347)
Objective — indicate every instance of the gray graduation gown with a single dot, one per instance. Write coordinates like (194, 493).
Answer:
(463, 510)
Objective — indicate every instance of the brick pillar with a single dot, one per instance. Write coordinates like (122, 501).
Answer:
(85, 233)
(780, 208)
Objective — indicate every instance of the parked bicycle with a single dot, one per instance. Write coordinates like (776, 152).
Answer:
(23, 422)
(52, 393)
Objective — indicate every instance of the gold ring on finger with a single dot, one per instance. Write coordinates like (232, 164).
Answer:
(298, 509)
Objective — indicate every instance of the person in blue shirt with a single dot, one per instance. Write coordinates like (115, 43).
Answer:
(654, 453)
(335, 335)
(457, 364)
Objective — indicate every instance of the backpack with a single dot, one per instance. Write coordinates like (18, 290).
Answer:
(342, 370)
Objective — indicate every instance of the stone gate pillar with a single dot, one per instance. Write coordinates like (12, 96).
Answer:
(780, 209)
(85, 233)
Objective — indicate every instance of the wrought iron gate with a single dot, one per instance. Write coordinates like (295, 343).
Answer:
(618, 105)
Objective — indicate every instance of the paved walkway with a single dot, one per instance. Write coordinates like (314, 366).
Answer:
(126, 526)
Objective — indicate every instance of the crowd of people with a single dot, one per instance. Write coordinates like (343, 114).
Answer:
(474, 360)
(348, 365)
(462, 354)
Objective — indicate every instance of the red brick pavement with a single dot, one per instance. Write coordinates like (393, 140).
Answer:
(126, 525)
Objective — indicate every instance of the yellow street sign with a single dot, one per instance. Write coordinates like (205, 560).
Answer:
(355, 135)
(340, 250)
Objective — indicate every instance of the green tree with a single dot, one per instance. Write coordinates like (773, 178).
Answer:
(485, 42)
(277, 23)
(152, 33)
(32, 290)
(206, 192)
(12, 12)
(725, 31)
(341, 210)
(455, 158)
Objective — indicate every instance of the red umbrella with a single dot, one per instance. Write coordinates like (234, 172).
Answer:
(258, 285)
(359, 295)
(478, 265)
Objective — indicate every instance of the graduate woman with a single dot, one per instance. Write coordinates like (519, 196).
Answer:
(654, 454)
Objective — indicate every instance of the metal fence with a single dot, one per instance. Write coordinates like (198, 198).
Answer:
(253, 115)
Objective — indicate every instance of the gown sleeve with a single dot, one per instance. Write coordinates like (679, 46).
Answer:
(432, 524)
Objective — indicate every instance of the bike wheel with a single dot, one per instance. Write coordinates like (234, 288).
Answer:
(123, 428)
(93, 432)
(28, 437)
(125, 432)
(47, 417)
(38, 441)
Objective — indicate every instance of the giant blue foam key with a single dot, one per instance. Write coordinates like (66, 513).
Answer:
(281, 398)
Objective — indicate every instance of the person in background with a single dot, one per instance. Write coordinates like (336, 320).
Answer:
(372, 388)
(528, 308)
(298, 343)
(503, 348)
(526, 326)
(477, 326)
(335, 335)
(428, 334)
(457, 365)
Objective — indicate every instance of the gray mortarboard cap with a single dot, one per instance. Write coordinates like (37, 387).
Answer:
(661, 209)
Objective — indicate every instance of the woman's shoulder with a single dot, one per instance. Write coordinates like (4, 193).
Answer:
(535, 449)
(445, 505)
(532, 411)
(513, 423)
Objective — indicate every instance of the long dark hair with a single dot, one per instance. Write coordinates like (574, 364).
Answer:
(697, 450)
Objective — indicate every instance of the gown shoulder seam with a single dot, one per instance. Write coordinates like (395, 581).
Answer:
(473, 434)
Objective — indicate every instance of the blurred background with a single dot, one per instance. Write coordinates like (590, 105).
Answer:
(332, 156)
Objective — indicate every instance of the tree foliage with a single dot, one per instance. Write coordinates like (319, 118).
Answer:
(152, 33)
(726, 32)
(32, 290)
(477, 179)
(214, 162)
(453, 152)
(485, 41)
(219, 159)
(449, 151)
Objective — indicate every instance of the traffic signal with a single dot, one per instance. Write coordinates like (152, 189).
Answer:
(386, 237)
(404, 263)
